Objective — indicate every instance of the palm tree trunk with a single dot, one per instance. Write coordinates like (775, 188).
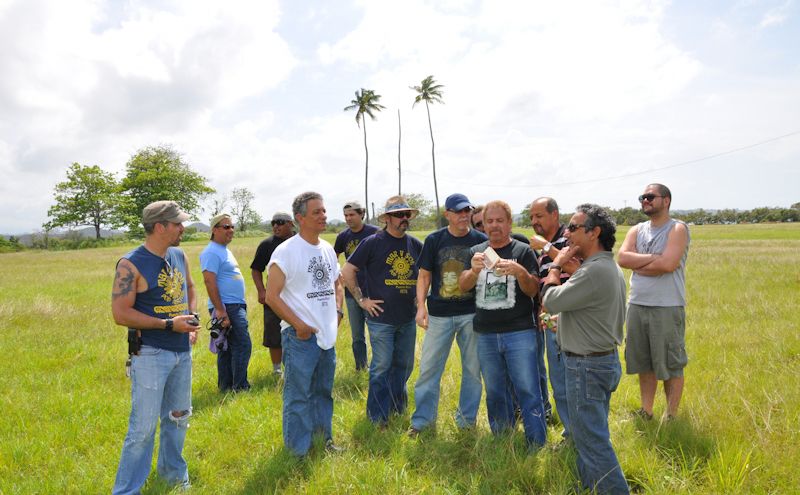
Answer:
(366, 170)
(399, 167)
(433, 159)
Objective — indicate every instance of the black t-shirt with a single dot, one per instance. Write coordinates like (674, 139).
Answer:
(264, 252)
(501, 306)
(391, 274)
(346, 242)
(446, 256)
(559, 241)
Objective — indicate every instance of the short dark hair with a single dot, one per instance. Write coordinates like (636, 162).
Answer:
(663, 191)
(597, 216)
(550, 204)
(150, 227)
(300, 203)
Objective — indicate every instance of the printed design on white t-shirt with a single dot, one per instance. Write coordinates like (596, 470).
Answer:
(320, 271)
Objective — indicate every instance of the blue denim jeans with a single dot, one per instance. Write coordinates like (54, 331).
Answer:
(356, 317)
(540, 346)
(232, 364)
(555, 363)
(307, 391)
(161, 386)
(590, 382)
(508, 365)
(391, 366)
(435, 351)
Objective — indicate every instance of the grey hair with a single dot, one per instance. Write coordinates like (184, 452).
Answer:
(300, 203)
(597, 216)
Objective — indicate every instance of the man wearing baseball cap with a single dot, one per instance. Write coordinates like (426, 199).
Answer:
(282, 229)
(153, 295)
(448, 316)
(226, 302)
(389, 260)
(346, 242)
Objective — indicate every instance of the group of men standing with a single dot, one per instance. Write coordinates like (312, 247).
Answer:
(506, 303)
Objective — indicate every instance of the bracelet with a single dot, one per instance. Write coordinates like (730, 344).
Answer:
(555, 267)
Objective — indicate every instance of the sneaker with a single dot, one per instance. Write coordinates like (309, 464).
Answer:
(641, 413)
(413, 432)
(332, 447)
(277, 372)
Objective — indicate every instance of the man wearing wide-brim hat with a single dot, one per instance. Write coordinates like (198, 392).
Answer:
(389, 260)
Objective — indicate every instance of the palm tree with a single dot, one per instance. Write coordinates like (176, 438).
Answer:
(430, 93)
(365, 103)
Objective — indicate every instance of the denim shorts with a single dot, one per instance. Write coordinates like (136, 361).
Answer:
(655, 342)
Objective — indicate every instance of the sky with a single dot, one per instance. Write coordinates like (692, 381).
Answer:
(582, 101)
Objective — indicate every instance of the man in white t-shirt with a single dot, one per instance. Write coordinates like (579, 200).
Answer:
(304, 289)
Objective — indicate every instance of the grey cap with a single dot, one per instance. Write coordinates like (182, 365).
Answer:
(353, 205)
(163, 211)
(282, 215)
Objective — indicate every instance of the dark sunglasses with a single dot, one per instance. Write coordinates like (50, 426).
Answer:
(479, 225)
(648, 197)
(400, 214)
(226, 227)
(462, 210)
(279, 222)
(572, 227)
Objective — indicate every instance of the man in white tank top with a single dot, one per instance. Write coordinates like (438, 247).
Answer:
(655, 348)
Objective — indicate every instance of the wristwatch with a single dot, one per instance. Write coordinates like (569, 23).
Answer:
(555, 267)
(546, 248)
(339, 312)
(168, 324)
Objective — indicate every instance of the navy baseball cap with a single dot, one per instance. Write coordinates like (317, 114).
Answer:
(457, 202)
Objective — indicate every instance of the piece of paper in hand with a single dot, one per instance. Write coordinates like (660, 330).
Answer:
(490, 258)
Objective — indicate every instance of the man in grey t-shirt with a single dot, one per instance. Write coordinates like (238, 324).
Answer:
(655, 348)
(592, 310)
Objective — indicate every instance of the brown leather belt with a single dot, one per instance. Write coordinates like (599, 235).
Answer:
(591, 354)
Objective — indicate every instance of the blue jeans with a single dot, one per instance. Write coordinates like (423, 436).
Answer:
(161, 382)
(540, 346)
(307, 391)
(435, 351)
(391, 366)
(356, 317)
(508, 365)
(590, 382)
(555, 363)
(232, 364)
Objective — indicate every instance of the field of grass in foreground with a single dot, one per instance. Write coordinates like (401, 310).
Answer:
(65, 399)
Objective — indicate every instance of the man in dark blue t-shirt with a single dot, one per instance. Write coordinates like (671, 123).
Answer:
(448, 316)
(347, 242)
(389, 260)
(505, 281)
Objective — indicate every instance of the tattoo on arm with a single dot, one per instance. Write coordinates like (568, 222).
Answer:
(123, 282)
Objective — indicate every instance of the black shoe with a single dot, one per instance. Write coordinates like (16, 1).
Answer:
(332, 447)
(413, 432)
(641, 413)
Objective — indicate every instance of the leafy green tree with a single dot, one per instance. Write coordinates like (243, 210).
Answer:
(365, 102)
(430, 92)
(89, 196)
(159, 173)
(243, 213)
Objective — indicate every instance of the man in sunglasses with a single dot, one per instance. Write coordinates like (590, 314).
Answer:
(226, 302)
(591, 307)
(656, 251)
(282, 229)
(549, 240)
(448, 316)
(347, 242)
(389, 259)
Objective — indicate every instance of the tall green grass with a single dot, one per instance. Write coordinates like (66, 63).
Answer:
(64, 399)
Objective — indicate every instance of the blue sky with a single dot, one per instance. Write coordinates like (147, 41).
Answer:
(541, 98)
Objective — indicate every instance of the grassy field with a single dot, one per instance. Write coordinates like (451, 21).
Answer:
(65, 399)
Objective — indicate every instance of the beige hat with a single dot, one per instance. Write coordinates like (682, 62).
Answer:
(397, 204)
(217, 219)
(353, 205)
(163, 211)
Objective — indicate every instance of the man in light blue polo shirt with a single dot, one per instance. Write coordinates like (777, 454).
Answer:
(225, 286)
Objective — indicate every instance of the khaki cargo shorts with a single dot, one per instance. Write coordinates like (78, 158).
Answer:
(655, 341)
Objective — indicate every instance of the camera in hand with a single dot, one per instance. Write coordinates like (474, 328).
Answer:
(215, 327)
